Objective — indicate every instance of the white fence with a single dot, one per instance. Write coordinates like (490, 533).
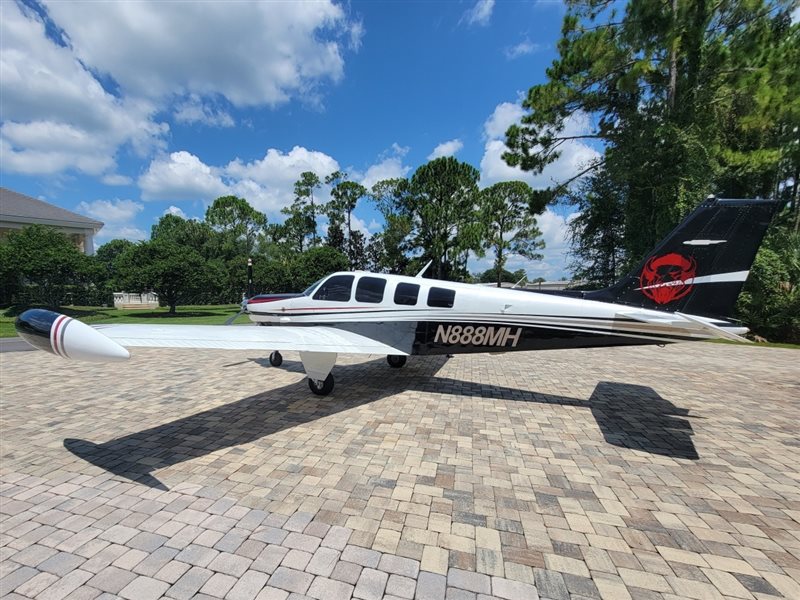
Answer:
(126, 300)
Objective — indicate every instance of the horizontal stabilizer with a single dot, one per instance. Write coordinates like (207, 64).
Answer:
(716, 330)
(684, 321)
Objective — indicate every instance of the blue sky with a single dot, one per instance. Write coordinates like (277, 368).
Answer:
(126, 110)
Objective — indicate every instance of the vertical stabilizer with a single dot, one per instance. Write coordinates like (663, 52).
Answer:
(701, 266)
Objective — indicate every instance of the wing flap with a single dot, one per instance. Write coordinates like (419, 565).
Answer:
(243, 337)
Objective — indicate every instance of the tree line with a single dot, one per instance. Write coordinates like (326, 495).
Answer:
(682, 98)
(686, 99)
(438, 215)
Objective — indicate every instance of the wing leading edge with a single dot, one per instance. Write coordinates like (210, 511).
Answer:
(300, 339)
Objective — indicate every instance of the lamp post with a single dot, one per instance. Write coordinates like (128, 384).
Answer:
(249, 277)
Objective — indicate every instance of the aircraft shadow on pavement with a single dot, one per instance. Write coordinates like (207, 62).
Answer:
(629, 416)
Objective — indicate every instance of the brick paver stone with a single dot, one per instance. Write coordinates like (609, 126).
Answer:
(371, 584)
(248, 586)
(192, 474)
(291, 580)
(329, 589)
(144, 588)
(431, 586)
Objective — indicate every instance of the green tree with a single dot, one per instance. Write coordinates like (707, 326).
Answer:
(504, 275)
(194, 234)
(344, 199)
(106, 259)
(237, 221)
(176, 272)
(507, 212)
(681, 94)
(443, 208)
(46, 258)
(770, 301)
(389, 249)
(298, 226)
(357, 250)
(597, 231)
(316, 263)
(10, 280)
(335, 238)
(304, 190)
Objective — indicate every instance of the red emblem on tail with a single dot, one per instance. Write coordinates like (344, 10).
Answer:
(667, 278)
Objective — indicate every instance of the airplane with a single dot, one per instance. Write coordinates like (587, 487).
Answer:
(684, 290)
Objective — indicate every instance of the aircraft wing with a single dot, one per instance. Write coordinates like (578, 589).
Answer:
(242, 337)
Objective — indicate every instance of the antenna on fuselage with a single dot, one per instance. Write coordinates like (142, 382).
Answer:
(425, 268)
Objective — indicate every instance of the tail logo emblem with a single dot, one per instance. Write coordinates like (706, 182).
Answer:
(667, 278)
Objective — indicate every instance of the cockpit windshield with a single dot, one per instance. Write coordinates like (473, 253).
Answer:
(312, 287)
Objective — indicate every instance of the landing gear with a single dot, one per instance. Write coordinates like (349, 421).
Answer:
(275, 359)
(321, 388)
(395, 360)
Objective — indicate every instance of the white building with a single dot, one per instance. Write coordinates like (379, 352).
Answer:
(18, 210)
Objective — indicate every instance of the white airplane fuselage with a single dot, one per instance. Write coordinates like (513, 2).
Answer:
(470, 318)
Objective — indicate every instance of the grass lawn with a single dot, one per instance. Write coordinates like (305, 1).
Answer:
(189, 315)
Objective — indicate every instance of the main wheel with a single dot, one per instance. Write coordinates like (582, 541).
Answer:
(321, 388)
(395, 360)
(275, 359)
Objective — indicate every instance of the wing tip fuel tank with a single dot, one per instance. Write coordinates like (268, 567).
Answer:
(67, 337)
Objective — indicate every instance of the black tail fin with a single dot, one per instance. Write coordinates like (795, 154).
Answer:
(701, 266)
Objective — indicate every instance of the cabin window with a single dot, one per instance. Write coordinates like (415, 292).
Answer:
(336, 289)
(406, 294)
(370, 289)
(441, 297)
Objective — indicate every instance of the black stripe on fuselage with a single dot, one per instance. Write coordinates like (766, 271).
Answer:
(433, 337)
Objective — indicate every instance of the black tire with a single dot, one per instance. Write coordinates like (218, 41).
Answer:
(324, 389)
(275, 359)
(396, 361)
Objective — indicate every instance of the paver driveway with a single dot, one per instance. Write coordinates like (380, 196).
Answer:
(645, 473)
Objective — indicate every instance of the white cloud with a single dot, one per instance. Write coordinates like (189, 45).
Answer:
(121, 232)
(524, 47)
(389, 166)
(116, 179)
(252, 53)
(268, 183)
(111, 211)
(56, 115)
(195, 110)
(480, 14)
(181, 176)
(118, 216)
(187, 60)
(575, 155)
(448, 148)
(174, 210)
(359, 224)
(503, 117)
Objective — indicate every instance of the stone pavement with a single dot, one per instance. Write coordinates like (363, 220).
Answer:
(644, 473)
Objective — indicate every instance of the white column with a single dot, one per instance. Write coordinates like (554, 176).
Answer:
(88, 242)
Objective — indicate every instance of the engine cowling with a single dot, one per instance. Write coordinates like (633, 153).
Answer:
(67, 337)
